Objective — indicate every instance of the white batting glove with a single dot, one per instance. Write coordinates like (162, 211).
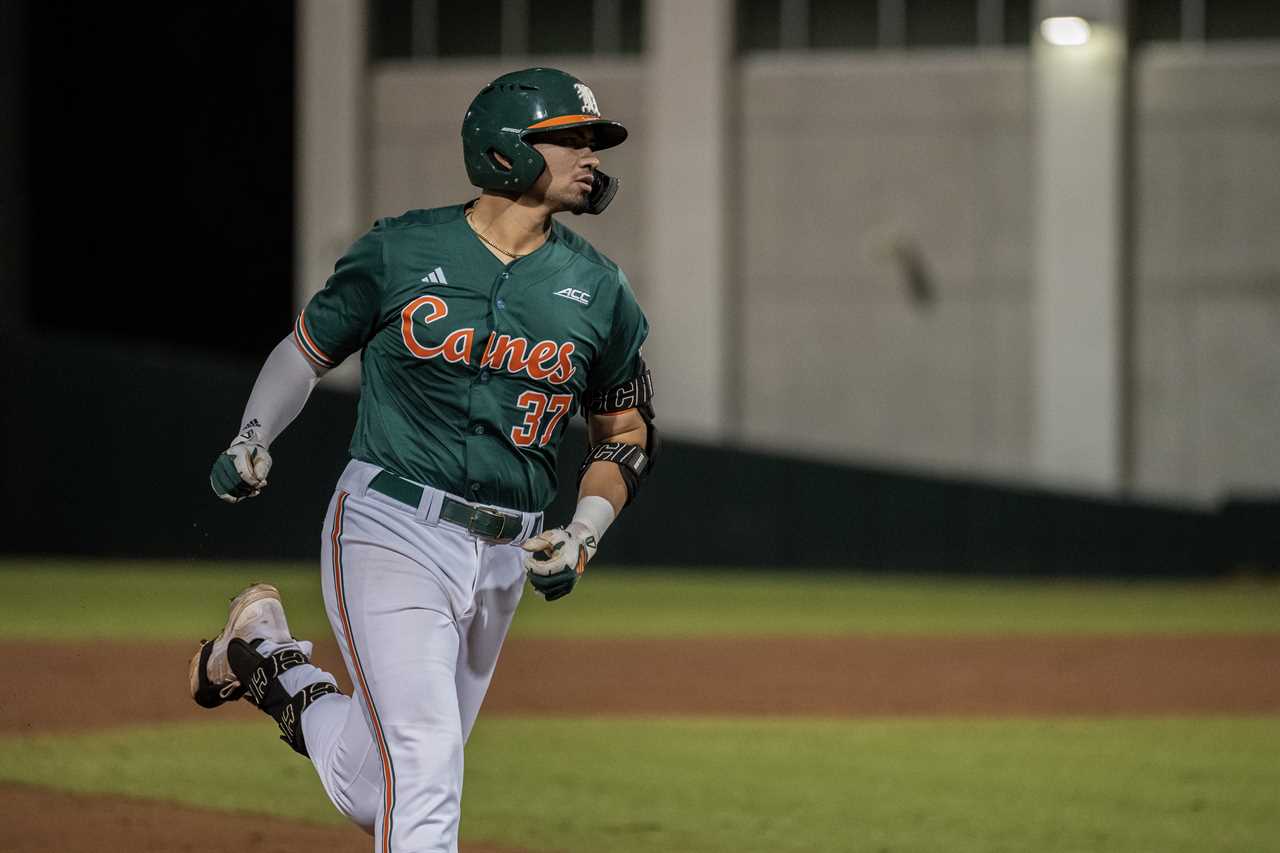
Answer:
(558, 557)
(240, 471)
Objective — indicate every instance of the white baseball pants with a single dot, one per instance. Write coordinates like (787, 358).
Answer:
(419, 608)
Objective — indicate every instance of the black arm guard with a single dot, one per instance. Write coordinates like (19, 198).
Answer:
(635, 462)
(635, 394)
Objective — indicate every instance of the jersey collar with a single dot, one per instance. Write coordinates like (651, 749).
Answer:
(543, 261)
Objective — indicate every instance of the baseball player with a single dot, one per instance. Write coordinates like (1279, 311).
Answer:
(484, 328)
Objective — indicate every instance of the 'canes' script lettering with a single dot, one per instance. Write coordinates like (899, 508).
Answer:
(541, 360)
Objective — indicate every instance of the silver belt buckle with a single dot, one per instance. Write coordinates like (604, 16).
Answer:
(476, 513)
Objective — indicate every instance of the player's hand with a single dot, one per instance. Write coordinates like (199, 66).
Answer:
(240, 471)
(557, 558)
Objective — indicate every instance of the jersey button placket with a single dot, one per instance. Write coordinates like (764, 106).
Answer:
(499, 303)
(483, 375)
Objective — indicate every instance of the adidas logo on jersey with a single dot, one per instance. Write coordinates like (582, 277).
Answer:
(436, 276)
(576, 295)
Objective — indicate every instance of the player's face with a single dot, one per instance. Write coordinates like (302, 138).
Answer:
(566, 182)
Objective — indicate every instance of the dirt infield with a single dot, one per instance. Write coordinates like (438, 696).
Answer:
(34, 820)
(829, 676)
(836, 676)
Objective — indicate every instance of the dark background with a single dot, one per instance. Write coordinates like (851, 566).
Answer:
(153, 171)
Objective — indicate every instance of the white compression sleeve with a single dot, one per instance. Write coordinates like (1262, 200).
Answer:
(282, 389)
(596, 513)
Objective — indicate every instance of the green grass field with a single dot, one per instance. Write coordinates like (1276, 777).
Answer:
(68, 600)
(713, 785)
(706, 786)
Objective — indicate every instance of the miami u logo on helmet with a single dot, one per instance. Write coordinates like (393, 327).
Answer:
(588, 99)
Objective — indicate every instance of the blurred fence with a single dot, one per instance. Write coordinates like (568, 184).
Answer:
(107, 452)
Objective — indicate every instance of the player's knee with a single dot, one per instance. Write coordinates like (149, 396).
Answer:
(435, 742)
(362, 809)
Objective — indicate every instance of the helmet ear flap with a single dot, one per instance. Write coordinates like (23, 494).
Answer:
(506, 163)
(526, 165)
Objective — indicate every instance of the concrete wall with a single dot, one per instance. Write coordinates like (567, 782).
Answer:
(848, 163)
(843, 158)
(1208, 271)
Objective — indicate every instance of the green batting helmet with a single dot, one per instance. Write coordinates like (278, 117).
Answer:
(521, 104)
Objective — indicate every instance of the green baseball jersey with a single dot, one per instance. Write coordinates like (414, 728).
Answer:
(471, 369)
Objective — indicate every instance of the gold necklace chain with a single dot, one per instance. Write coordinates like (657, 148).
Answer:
(489, 242)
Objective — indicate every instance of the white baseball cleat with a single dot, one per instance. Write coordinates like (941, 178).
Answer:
(255, 614)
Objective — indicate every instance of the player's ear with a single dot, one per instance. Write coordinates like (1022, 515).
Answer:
(497, 157)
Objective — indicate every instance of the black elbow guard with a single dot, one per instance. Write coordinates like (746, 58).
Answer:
(635, 462)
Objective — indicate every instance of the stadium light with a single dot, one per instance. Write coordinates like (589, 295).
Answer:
(1065, 31)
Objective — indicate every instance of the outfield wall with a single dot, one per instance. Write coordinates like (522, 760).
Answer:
(107, 452)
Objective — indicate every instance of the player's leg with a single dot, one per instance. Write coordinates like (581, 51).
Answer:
(346, 758)
(485, 627)
(339, 734)
(340, 746)
(397, 631)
